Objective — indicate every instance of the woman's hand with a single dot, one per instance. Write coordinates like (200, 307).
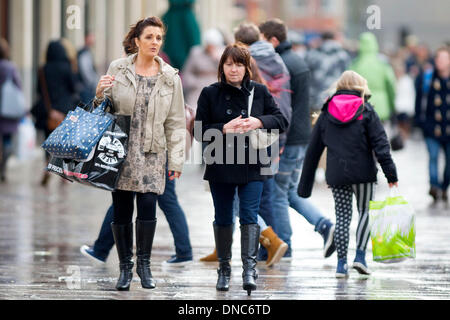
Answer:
(393, 184)
(231, 126)
(104, 83)
(249, 124)
(239, 125)
(174, 175)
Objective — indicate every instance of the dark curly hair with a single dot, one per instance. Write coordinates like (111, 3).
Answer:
(136, 30)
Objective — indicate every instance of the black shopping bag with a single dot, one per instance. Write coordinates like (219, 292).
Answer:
(396, 140)
(103, 169)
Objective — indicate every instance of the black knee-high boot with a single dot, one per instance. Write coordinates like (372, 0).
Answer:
(123, 237)
(224, 240)
(145, 232)
(249, 250)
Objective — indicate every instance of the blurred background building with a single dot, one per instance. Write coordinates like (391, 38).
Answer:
(28, 25)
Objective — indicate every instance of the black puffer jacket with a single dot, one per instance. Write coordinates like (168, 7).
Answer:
(220, 103)
(352, 133)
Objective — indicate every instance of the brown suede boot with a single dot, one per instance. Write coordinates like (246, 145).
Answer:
(211, 257)
(275, 247)
(435, 193)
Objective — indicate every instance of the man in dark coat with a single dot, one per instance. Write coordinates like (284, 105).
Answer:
(291, 159)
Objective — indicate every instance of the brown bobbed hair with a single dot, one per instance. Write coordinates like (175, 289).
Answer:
(136, 31)
(238, 54)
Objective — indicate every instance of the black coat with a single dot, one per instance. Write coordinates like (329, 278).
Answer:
(61, 80)
(220, 103)
(434, 120)
(351, 146)
(300, 127)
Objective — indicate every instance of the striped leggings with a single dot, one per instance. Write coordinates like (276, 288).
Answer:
(343, 196)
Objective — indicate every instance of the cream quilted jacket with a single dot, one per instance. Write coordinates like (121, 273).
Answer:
(166, 120)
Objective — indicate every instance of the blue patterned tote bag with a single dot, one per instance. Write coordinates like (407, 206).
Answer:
(76, 137)
(104, 169)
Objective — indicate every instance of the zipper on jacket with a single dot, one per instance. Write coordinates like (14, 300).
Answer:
(156, 91)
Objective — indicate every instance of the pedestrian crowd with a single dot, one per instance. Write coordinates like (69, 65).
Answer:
(323, 107)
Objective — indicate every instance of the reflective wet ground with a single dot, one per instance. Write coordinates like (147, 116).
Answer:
(42, 229)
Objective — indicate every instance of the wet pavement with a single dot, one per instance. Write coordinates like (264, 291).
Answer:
(42, 229)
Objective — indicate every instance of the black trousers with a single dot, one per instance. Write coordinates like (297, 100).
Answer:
(124, 206)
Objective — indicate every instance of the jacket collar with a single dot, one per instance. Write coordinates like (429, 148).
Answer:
(350, 92)
(284, 46)
(165, 69)
(246, 87)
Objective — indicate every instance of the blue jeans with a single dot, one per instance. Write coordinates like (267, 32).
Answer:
(249, 200)
(6, 149)
(265, 206)
(168, 202)
(105, 240)
(285, 194)
(434, 146)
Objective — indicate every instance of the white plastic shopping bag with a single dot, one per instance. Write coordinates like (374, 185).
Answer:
(393, 229)
(26, 139)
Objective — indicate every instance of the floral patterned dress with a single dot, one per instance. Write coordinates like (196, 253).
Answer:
(142, 172)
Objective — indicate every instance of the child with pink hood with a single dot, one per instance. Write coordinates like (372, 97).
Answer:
(352, 132)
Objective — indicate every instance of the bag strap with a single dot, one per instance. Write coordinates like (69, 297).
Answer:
(46, 96)
(250, 101)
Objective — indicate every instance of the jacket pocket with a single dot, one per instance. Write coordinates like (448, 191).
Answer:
(165, 97)
(159, 138)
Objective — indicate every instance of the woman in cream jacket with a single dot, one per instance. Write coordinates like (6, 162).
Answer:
(143, 86)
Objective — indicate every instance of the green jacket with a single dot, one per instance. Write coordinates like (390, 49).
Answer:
(379, 75)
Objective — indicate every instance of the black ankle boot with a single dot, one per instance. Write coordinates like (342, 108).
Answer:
(145, 232)
(434, 193)
(224, 239)
(123, 237)
(249, 250)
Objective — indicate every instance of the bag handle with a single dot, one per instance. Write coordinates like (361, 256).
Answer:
(394, 192)
(89, 107)
(101, 109)
(46, 96)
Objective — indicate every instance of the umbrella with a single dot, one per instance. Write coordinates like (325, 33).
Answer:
(183, 31)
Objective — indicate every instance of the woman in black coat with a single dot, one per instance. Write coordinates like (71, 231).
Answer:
(352, 132)
(231, 161)
(57, 80)
(434, 120)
